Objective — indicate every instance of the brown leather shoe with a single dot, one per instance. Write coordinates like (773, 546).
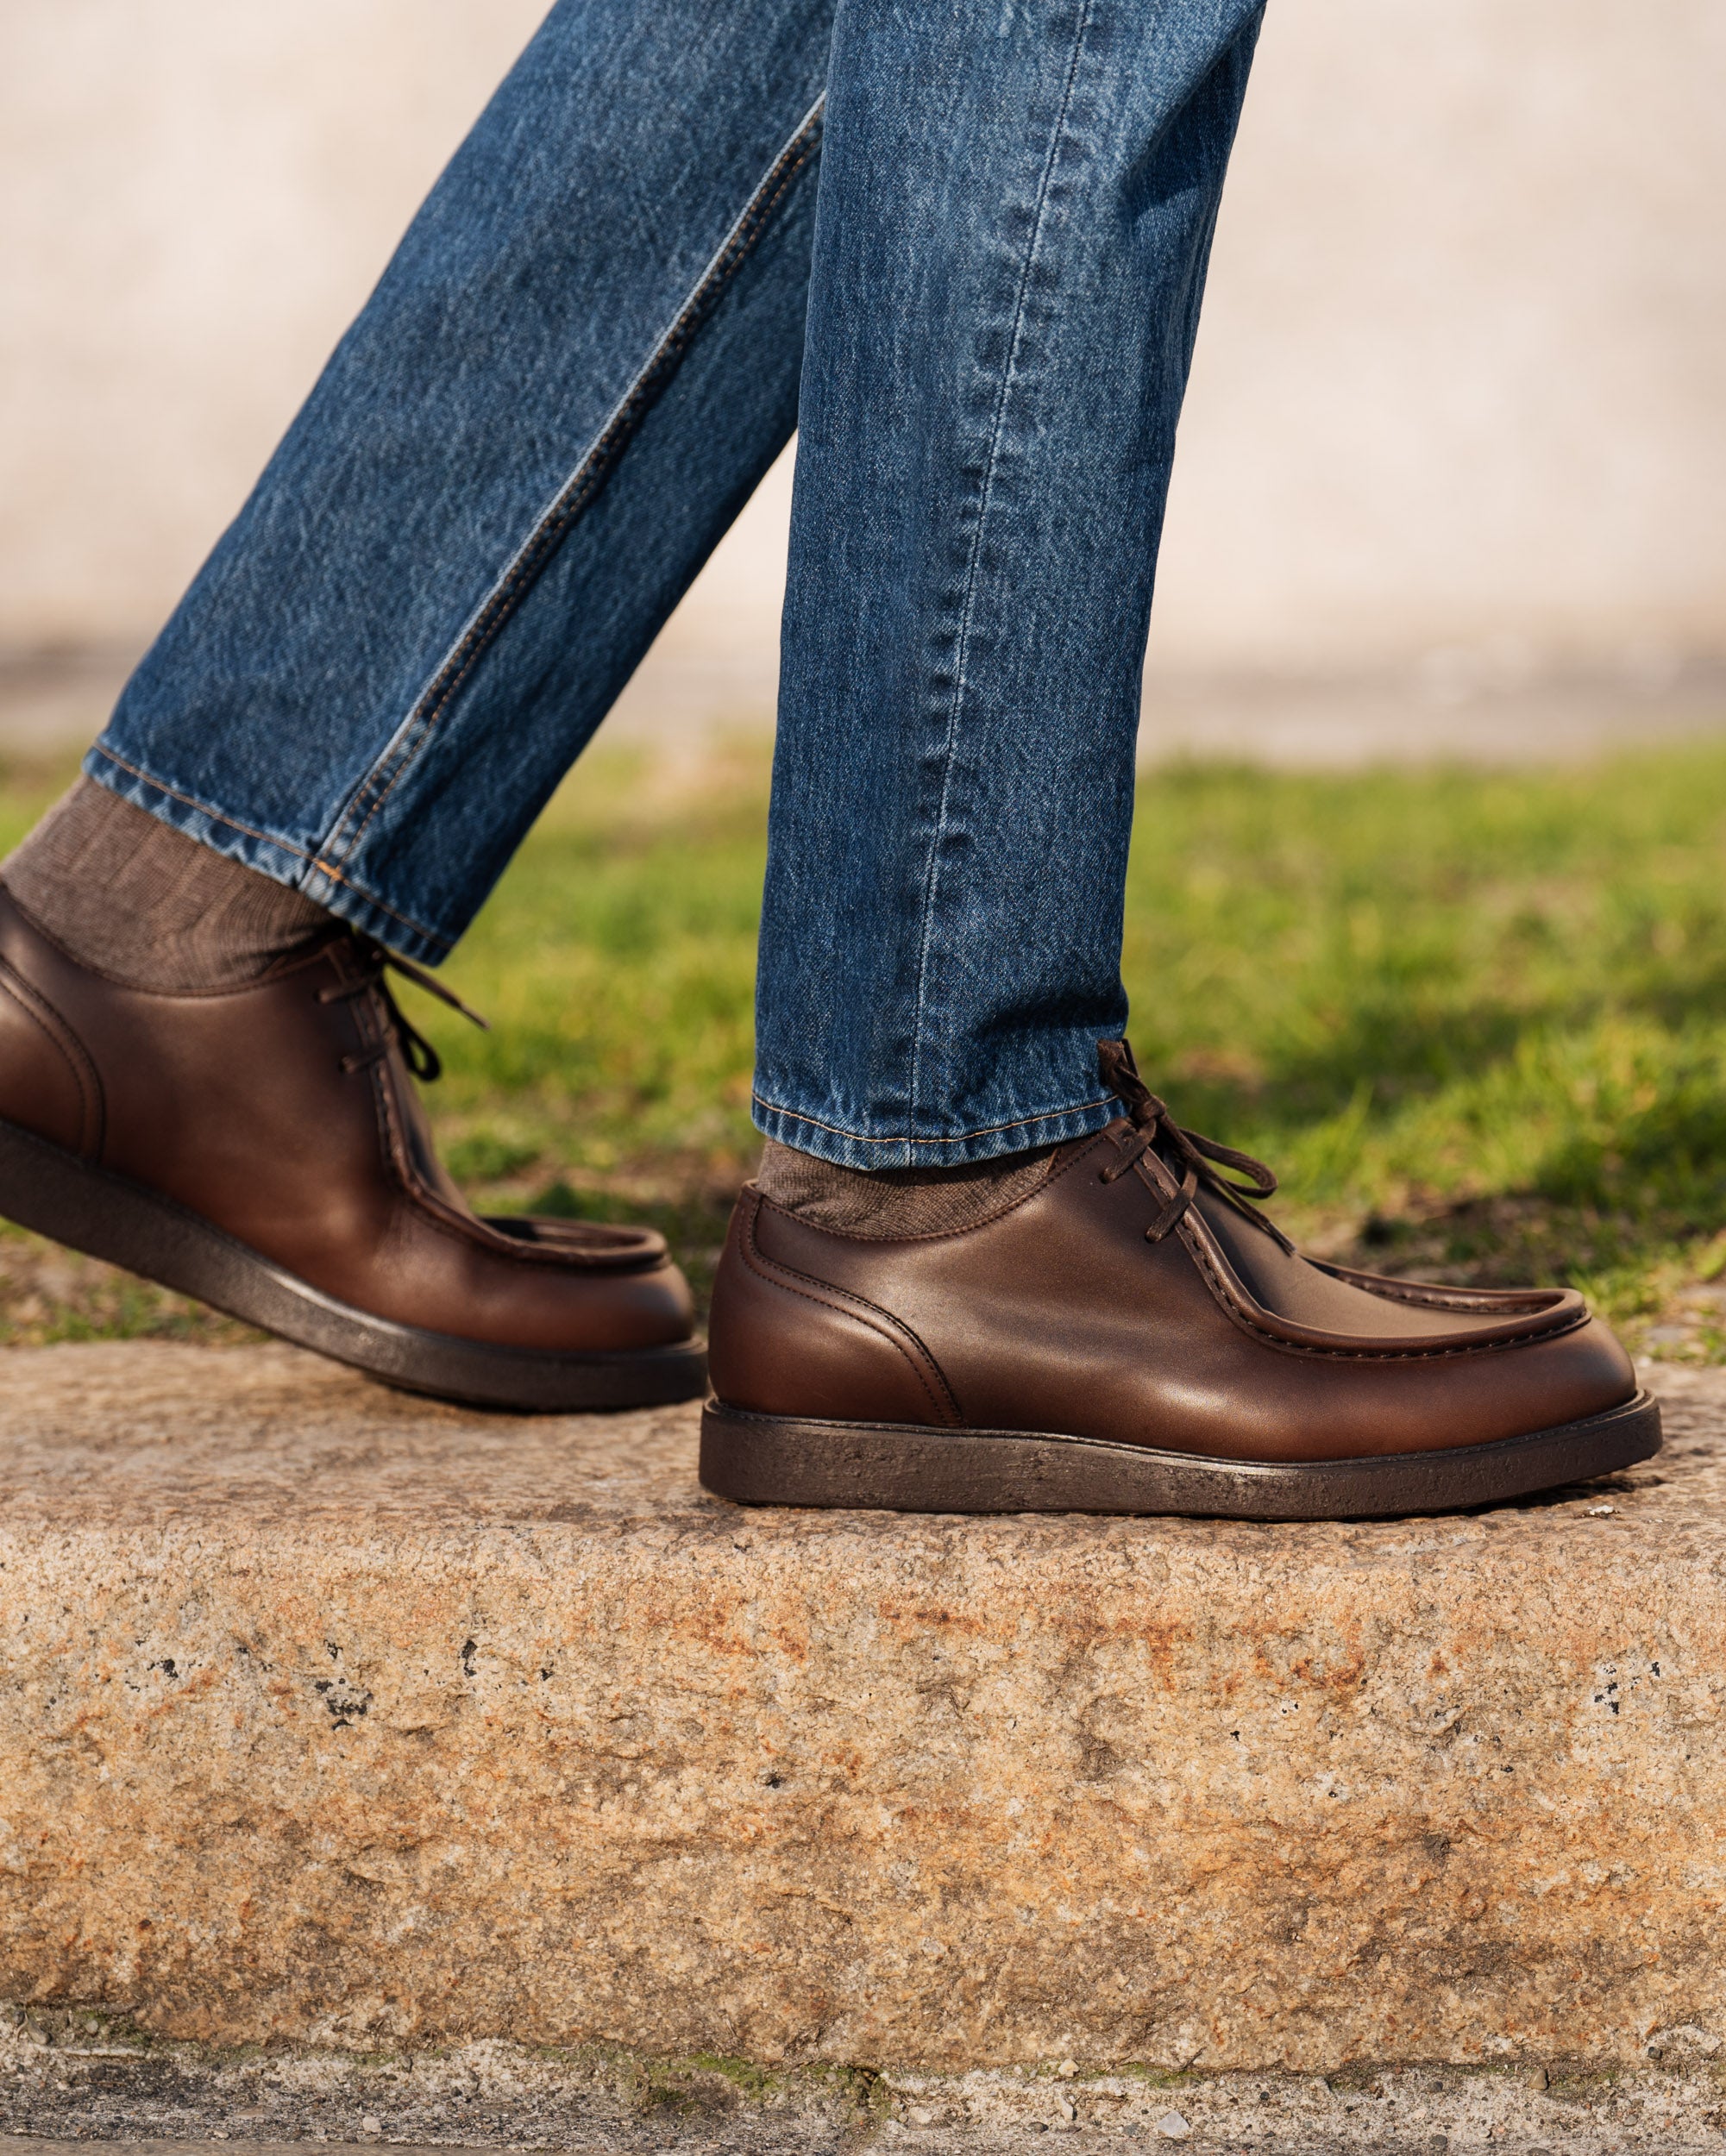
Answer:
(1133, 1336)
(264, 1149)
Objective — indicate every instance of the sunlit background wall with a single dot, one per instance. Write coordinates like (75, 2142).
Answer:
(1452, 469)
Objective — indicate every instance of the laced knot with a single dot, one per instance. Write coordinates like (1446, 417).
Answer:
(375, 965)
(1198, 1160)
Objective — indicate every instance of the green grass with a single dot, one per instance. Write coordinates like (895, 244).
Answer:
(1476, 1021)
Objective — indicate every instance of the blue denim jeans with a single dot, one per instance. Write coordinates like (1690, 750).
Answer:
(961, 248)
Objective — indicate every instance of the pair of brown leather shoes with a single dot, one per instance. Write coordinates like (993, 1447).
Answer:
(1133, 1336)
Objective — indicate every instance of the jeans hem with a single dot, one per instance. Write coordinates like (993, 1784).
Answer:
(275, 857)
(853, 1149)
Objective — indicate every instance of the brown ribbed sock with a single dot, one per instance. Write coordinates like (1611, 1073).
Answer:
(136, 900)
(883, 1202)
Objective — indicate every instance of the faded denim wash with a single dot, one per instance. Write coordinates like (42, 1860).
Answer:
(965, 246)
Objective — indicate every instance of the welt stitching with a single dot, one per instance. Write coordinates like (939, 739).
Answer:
(962, 649)
(927, 1371)
(584, 483)
(988, 1130)
(1219, 1289)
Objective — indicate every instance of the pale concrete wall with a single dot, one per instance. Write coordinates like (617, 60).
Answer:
(1458, 383)
(1459, 375)
(195, 195)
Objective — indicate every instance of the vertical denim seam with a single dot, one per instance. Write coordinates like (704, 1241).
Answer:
(552, 524)
(932, 874)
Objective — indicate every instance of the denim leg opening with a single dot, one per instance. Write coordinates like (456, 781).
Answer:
(849, 1149)
(269, 855)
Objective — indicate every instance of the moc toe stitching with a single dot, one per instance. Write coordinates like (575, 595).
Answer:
(1266, 1326)
(1438, 1296)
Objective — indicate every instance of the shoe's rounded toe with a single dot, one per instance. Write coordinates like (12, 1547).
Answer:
(1563, 1379)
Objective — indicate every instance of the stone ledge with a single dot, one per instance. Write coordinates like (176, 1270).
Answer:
(332, 1717)
(57, 2078)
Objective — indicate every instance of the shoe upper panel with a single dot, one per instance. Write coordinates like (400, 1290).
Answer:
(281, 1114)
(1061, 1315)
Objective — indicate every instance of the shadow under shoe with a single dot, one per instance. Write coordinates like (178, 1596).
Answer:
(1133, 1335)
(264, 1149)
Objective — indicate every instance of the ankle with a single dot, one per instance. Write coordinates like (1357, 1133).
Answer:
(139, 902)
(884, 1203)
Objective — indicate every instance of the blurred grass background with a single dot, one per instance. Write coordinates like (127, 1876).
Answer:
(1476, 1020)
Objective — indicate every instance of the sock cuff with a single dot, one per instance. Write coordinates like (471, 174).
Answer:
(885, 1202)
(145, 904)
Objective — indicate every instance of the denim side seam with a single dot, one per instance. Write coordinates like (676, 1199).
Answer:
(566, 506)
(956, 705)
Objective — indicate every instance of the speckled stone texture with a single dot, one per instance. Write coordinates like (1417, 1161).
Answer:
(333, 1715)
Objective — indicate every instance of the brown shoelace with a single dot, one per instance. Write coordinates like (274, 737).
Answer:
(1197, 1159)
(377, 964)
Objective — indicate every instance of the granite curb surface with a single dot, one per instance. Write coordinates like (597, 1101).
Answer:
(335, 1719)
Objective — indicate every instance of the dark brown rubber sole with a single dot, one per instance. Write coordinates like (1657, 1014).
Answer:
(901, 1467)
(108, 1216)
